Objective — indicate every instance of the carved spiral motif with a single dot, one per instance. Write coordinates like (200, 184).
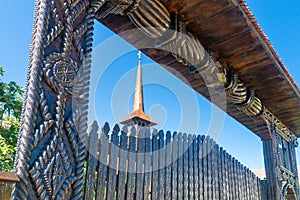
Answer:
(60, 72)
(152, 17)
(236, 90)
(253, 106)
(242, 97)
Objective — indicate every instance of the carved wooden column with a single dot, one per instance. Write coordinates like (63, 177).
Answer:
(51, 152)
(280, 165)
(272, 165)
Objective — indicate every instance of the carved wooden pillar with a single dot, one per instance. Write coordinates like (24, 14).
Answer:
(272, 165)
(281, 166)
(51, 152)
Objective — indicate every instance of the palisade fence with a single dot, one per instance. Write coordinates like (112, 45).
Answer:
(150, 164)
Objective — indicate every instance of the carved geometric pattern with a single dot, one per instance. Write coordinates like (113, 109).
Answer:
(52, 172)
(281, 129)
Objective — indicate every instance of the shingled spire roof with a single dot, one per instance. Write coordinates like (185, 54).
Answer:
(137, 115)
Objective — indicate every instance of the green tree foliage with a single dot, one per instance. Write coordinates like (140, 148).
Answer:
(10, 112)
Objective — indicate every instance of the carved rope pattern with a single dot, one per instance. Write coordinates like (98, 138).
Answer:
(68, 24)
(79, 8)
(31, 104)
(81, 116)
(57, 29)
(47, 120)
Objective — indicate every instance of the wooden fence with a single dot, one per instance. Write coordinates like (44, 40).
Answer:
(145, 164)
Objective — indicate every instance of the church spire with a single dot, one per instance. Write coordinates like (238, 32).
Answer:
(138, 102)
(137, 115)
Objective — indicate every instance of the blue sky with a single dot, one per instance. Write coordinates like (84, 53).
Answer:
(164, 101)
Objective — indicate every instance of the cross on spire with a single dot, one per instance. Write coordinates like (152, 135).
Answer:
(139, 55)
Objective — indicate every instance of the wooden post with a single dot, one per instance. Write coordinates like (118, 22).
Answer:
(131, 174)
(196, 167)
(226, 175)
(270, 148)
(185, 167)
(92, 162)
(191, 167)
(209, 167)
(222, 175)
(162, 165)
(123, 164)
(201, 177)
(180, 166)
(205, 170)
(229, 176)
(234, 179)
(168, 157)
(7, 182)
(148, 158)
(215, 170)
(102, 160)
(140, 163)
(51, 149)
(175, 166)
(155, 165)
(113, 157)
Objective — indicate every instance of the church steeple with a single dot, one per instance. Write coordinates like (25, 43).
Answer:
(138, 102)
(137, 115)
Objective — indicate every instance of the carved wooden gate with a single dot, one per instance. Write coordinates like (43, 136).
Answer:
(51, 152)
